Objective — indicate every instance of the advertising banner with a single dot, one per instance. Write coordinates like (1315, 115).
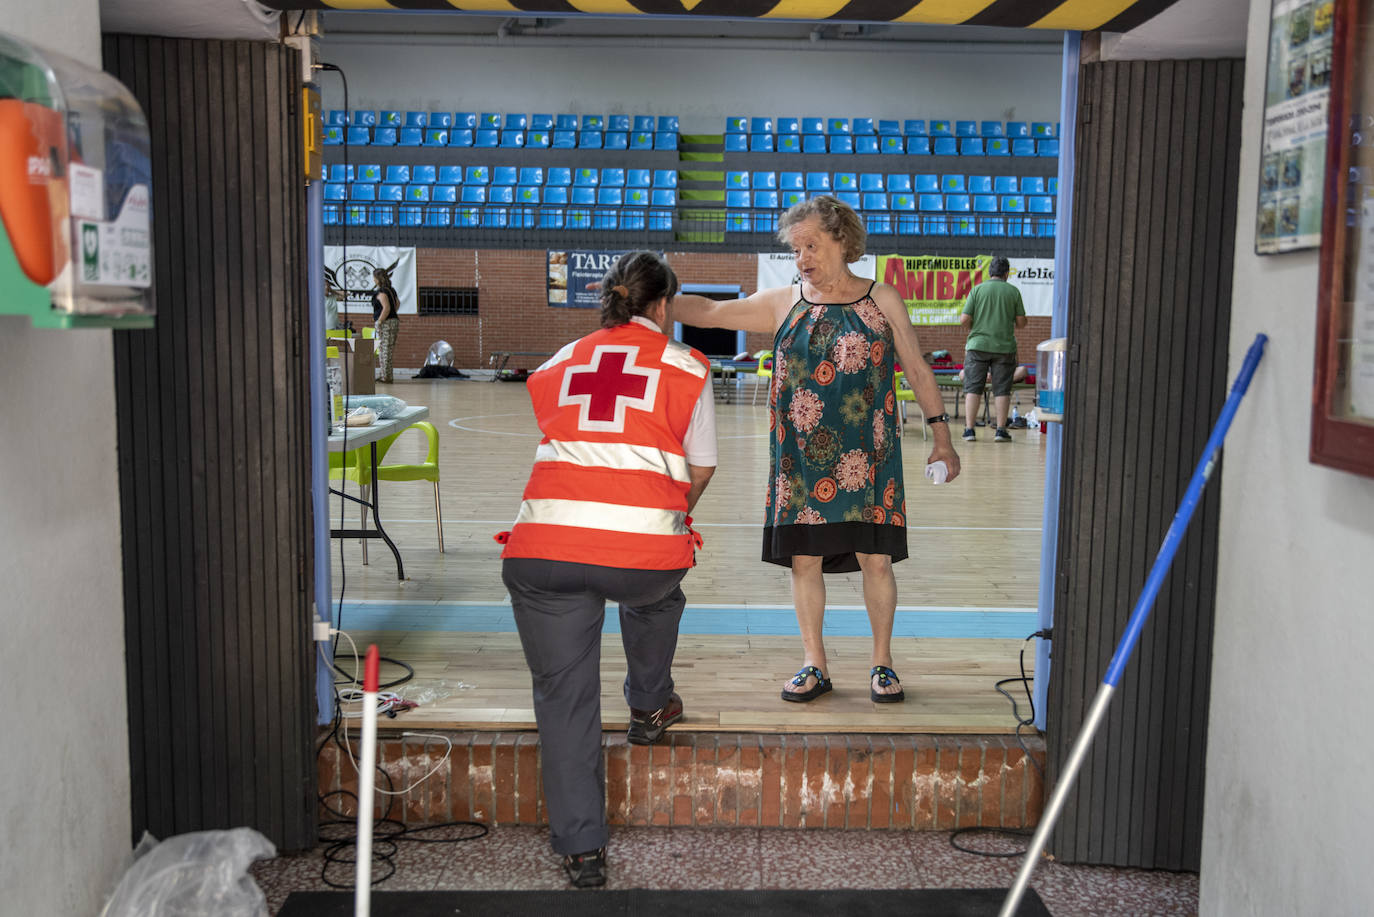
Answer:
(355, 275)
(571, 271)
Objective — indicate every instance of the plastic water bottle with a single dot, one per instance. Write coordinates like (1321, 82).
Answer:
(938, 472)
(1015, 414)
(333, 374)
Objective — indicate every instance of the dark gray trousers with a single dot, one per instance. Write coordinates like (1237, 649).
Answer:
(559, 610)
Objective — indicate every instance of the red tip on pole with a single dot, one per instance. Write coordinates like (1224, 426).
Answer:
(370, 669)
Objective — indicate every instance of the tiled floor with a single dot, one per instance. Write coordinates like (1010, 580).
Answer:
(686, 858)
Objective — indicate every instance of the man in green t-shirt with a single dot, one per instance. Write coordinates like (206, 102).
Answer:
(992, 314)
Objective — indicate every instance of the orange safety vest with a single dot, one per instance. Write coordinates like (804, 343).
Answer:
(610, 479)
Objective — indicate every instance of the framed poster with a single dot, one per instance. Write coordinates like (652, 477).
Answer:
(1343, 377)
(1293, 151)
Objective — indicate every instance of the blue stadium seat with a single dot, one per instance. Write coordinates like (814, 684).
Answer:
(790, 198)
(1041, 206)
(945, 146)
(383, 136)
(530, 177)
(504, 175)
(1017, 129)
(438, 216)
(971, 146)
(579, 217)
(789, 143)
(512, 139)
(862, 126)
(841, 143)
(918, 146)
(941, 128)
(391, 192)
(593, 123)
(381, 216)
(525, 213)
(551, 217)
(418, 193)
(665, 140)
(960, 206)
(638, 178)
(813, 143)
(997, 146)
(541, 122)
(363, 118)
(516, 123)
(416, 119)
(643, 124)
(355, 215)
(764, 181)
(735, 125)
(340, 172)
(332, 214)
(333, 135)
(736, 221)
(930, 205)
(737, 180)
(914, 127)
(336, 118)
(637, 197)
(788, 125)
(369, 172)
(435, 136)
(536, 139)
(665, 178)
(486, 137)
(564, 140)
(991, 129)
(1047, 147)
(760, 125)
(979, 184)
(849, 197)
(559, 176)
(608, 198)
(460, 136)
(900, 182)
(876, 218)
(766, 201)
(668, 123)
(889, 128)
(952, 184)
(818, 182)
(556, 194)
(927, 183)
(473, 194)
(495, 217)
(966, 128)
(904, 205)
(791, 181)
(735, 143)
(450, 175)
(444, 194)
(665, 197)
(467, 216)
(1014, 204)
(736, 197)
(358, 136)
(660, 219)
(866, 144)
(477, 175)
(583, 197)
(990, 220)
(1005, 184)
(871, 181)
(845, 181)
(616, 140)
(613, 178)
(397, 174)
(892, 144)
(761, 143)
(1042, 130)
(390, 119)
(465, 120)
(489, 120)
(1052, 186)
(633, 218)
(812, 126)
(588, 140)
(335, 192)
(642, 140)
(362, 191)
(586, 177)
(1032, 184)
(565, 122)
(837, 126)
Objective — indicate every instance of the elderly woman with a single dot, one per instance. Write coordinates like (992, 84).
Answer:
(835, 497)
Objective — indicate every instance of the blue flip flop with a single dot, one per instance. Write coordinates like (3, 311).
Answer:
(822, 686)
(885, 677)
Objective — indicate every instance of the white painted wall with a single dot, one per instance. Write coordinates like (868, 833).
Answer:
(1289, 817)
(700, 83)
(64, 796)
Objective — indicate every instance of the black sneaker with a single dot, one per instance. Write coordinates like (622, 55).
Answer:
(969, 435)
(1001, 436)
(646, 726)
(586, 870)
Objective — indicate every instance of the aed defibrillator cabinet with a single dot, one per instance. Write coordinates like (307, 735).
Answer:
(75, 194)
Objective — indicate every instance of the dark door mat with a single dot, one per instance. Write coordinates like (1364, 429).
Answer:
(634, 902)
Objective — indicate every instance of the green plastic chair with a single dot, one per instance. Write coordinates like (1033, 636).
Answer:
(356, 466)
(763, 371)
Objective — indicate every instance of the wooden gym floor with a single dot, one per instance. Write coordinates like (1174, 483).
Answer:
(966, 595)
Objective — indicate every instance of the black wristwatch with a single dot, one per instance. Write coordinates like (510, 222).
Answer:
(938, 418)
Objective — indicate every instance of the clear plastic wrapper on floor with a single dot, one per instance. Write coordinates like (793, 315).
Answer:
(201, 874)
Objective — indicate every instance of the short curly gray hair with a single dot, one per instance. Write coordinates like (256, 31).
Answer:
(836, 217)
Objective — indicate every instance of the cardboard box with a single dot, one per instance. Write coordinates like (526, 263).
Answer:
(360, 365)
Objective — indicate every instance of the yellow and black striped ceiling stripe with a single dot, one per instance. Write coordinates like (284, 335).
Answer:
(1083, 15)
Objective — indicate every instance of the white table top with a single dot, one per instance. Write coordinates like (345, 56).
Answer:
(361, 436)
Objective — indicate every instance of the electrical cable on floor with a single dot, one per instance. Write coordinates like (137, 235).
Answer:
(1020, 723)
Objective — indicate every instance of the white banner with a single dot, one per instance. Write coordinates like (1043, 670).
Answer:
(356, 275)
(779, 269)
(1034, 277)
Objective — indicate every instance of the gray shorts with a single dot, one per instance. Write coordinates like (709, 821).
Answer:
(977, 363)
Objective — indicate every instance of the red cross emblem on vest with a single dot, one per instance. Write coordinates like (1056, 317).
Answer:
(608, 386)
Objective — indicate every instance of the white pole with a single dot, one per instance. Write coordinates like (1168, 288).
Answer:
(362, 891)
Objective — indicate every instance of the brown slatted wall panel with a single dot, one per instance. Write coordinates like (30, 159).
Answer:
(1155, 195)
(214, 449)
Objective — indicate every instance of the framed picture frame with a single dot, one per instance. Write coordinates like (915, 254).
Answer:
(1343, 372)
(1293, 148)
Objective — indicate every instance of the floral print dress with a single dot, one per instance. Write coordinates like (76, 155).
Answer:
(835, 483)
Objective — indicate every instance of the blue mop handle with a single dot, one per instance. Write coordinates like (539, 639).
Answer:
(1141, 613)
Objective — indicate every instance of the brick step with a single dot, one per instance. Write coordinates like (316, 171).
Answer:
(860, 781)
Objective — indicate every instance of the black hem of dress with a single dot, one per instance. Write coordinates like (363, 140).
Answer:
(834, 541)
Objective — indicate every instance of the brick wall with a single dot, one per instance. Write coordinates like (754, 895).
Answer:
(514, 313)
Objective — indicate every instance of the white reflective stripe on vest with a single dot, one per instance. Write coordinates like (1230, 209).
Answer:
(610, 517)
(620, 456)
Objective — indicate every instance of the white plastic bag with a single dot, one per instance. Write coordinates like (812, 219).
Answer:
(202, 874)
